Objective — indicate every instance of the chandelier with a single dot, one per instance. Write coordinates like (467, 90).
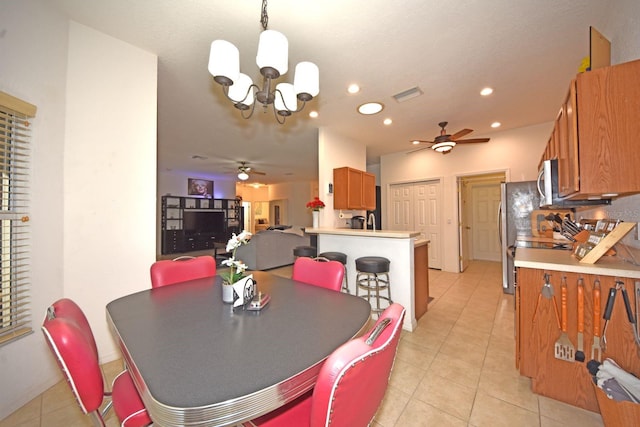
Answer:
(273, 61)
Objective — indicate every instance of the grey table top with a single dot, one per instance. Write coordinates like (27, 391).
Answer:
(196, 361)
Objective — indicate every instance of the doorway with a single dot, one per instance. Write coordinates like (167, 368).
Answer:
(478, 208)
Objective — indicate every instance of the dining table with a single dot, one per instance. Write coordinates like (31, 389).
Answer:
(197, 361)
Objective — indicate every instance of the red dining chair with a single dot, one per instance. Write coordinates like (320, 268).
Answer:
(70, 339)
(323, 273)
(351, 383)
(169, 272)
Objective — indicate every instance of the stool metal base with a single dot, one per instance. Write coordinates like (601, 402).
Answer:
(374, 283)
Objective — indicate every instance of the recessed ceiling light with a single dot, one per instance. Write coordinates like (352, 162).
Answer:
(198, 157)
(387, 121)
(313, 114)
(416, 142)
(353, 88)
(496, 124)
(486, 91)
(370, 108)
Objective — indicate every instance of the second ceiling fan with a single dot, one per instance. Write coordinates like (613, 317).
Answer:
(244, 170)
(444, 142)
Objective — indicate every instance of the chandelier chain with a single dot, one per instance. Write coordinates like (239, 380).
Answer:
(264, 18)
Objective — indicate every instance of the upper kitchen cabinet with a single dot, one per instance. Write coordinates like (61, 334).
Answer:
(353, 189)
(596, 133)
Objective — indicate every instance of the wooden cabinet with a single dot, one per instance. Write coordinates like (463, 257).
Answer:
(421, 279)
(537, 331)
(596, 132)
(353, 189)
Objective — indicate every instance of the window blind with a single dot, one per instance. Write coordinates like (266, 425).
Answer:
(15, 285)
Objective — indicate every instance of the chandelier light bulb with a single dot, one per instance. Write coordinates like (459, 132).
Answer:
(273, 53)
(286, 100)
(240, 92)
(224, 62)
(306, 81)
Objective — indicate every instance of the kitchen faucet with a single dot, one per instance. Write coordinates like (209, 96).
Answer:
(372, 220)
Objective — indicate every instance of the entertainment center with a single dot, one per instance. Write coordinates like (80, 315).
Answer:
(194, 223)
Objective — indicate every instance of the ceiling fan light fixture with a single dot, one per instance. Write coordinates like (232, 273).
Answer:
(443, 147)
(243, 176)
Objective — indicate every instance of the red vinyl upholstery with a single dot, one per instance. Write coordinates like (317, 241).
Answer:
(69, 337)
(168, 272)
(351, 383)
(326, 274)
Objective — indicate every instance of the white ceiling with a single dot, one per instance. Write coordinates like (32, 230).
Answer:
(526, 50)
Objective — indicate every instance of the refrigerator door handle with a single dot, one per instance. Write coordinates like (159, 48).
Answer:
(500, 222)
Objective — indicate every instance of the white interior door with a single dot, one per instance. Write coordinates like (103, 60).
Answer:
(464, 227)
(484, 226)
(401, 218)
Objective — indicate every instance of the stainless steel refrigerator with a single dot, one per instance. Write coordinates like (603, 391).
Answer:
(518, 201)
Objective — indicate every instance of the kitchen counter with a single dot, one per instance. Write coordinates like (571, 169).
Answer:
(398, 246)
(394, 234)
(562, 260)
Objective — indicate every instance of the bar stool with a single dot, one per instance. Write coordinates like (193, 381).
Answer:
(372, 275)
(341, 258)
(306, 251)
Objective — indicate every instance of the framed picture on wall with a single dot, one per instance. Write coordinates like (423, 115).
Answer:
(200, 187)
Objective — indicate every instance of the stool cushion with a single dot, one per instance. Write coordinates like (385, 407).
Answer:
(372, 264)
(307, 251)
(334, 256)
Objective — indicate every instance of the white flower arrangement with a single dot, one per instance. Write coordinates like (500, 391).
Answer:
(236, 266)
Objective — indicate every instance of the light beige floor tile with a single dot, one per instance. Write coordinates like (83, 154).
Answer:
(568, 414)
(27, 415)
(447, 396)
(455, 370)
(65, 417)
(491, 412)
(405, 376)
(392, 406)
(420, 414)
(418, 356)
(509, 386)
(58, 396)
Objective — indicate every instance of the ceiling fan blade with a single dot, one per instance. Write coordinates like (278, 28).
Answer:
(460, 134)
(258, 172)
(472, 141)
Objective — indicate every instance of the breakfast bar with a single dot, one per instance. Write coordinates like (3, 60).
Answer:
(409, 262)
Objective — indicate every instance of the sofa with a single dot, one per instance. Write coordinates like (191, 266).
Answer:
(272, 248)
(261, 224)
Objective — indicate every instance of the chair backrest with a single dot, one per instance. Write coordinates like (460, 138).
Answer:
(64, 328)
(326, 274)
(354, 378)
(169, 272)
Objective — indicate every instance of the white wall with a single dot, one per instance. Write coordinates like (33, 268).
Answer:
(109, 174)
(34, 69)
(516, 151)
(336, 151)
(93, 189)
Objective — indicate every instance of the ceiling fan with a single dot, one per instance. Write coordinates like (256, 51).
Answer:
(244, 171)
(444, 142)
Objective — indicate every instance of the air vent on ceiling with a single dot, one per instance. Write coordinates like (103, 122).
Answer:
(408, 94)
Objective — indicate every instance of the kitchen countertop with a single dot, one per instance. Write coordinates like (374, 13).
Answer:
(561, 260)
(394, 234)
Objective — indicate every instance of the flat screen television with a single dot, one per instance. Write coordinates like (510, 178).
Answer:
(196, 222)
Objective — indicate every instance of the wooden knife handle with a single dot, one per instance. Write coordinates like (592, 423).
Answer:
(596, 309)
(580, 306)
(563, 304)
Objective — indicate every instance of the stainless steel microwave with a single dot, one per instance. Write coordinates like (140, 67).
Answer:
(548, 182)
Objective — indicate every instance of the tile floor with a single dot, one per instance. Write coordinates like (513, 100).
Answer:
(455, 369)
